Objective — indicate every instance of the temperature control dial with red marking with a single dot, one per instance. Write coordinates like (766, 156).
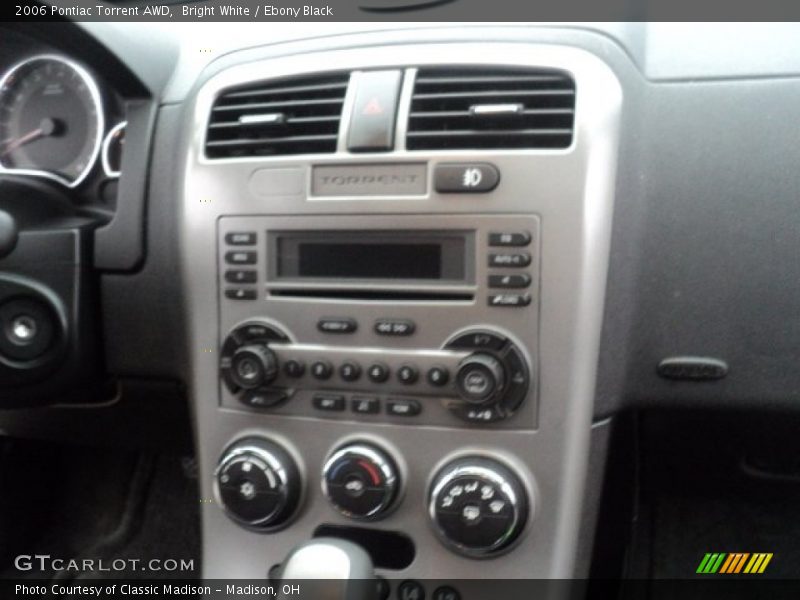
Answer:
(361, 481)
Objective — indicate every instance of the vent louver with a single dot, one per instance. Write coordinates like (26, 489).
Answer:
(290, 116)
(490, 108)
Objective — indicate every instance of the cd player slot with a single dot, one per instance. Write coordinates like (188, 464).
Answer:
(376, 295)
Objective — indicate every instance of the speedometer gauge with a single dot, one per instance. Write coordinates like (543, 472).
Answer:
(51, 120)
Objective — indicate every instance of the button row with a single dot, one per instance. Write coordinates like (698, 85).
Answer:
(367, 405)
(241, 257)
(377, 372)
(393, 327)
(515, 260)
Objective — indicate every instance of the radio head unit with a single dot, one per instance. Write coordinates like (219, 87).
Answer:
(407, 319)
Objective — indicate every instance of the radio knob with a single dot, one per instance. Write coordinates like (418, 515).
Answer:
(258, 483)
(253, 366)
(361, 481)
(478, 506)
(480, 379)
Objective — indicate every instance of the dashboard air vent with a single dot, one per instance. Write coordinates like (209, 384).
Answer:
(490, 108)
(288, 116)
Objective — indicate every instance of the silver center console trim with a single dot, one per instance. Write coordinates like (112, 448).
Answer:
(570, 190)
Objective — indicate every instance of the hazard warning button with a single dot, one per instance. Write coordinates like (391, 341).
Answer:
(374, 111)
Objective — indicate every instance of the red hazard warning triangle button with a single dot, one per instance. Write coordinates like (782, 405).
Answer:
(373, 107)
(372, 120)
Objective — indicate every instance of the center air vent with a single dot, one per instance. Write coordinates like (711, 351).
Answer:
(300, 115)
(489, 108)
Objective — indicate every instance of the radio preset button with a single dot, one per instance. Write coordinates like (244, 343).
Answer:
(294, 368)
(241, 238)
(438, 376)
(509, 300)
(399, 327)
(512, 281)
(241, 294)
(465, 178)
(403, 408)
(517, 259)
(509, 238)
(378, 373)
(241, 257)
(407, 374)
(331, 402)
(349, 371)
(322, 370)
(337, 325)
(241, 276)
(365, 405)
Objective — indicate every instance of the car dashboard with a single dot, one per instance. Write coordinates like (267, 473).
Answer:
(405, 286)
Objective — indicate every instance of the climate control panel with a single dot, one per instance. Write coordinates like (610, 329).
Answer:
(477, 376)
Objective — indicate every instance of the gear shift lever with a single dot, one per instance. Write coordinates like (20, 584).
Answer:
(328, 569)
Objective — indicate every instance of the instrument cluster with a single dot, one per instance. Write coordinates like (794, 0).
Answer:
(58, 122)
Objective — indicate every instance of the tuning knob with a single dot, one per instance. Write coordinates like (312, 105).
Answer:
(480, 379)
(258, 483)
(478, 506)
(361, 481)
(253, 366)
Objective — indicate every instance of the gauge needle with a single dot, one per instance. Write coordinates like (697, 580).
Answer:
(46, 128)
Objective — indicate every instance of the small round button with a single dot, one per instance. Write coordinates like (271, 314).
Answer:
(407, 374)
(438, 376)
(410, 590)
(294, 368)
(349, 371)
(445, 592)
(322, 370)
(378, 373)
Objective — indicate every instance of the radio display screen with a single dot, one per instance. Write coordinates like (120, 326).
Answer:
(370, 261)
(372, 256)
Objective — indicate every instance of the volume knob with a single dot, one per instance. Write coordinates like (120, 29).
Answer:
(480, 379)
(253, 366)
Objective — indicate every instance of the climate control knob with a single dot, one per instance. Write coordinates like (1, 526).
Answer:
(361, 481)
(258, 483)
(480, 379)
(253, 366)
(478, 506)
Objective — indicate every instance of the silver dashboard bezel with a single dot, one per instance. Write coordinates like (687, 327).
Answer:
(109, 137)
(576, 230)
